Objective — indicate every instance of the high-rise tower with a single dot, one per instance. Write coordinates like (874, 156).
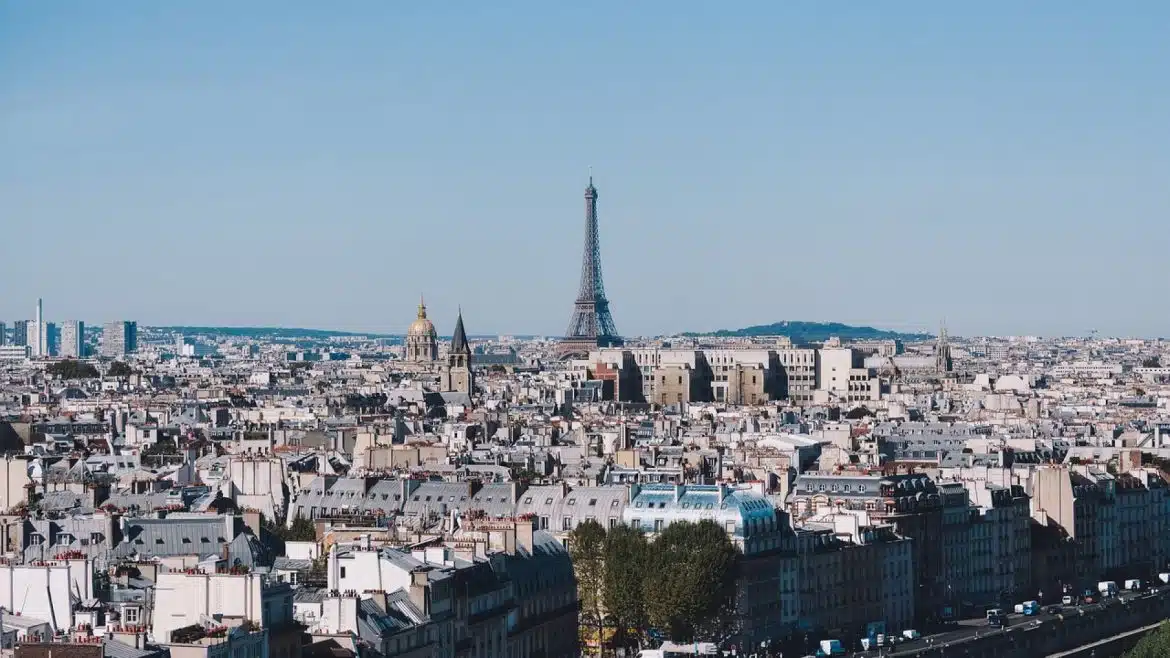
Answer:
(38, 334)
(591, 324)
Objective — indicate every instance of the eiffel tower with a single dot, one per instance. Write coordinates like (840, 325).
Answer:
(591, 325)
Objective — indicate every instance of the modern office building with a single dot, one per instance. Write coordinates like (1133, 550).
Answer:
(20, 332)
(72, 339)
(52, 340)
(35, 331)
(3, 334)
(119, 338)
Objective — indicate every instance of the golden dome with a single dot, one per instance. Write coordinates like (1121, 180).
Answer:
(422, 327)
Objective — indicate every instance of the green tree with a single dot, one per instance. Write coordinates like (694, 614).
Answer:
(625, 555)
(302, 530)
(857, 413)
(119, 369)
(161, 447)
(72, 369)
(1154, 645)
(690, 583)
(1152, 362)
(587, 550)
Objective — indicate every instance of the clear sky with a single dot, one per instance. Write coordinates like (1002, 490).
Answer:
(1003, 165)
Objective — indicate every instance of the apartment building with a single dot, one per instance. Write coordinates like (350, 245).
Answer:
(675, 376)
(909, 501)
(491, 588)
(185, 599)
(72, 339)
(119, 338)
(798, 374)
(986, 546)
(854, 573)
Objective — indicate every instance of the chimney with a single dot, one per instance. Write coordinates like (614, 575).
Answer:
(419, 593)
(506, 538)
(332, 570)
(252, 521)
(524, 534)
(381, 600)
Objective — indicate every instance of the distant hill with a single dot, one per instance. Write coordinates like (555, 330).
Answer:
(812, 332)
(267, 332)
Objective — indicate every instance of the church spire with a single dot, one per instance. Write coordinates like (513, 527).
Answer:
(459, 338)
(422, 308)
(942, 351)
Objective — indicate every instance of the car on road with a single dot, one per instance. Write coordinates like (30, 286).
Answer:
(1053, 610)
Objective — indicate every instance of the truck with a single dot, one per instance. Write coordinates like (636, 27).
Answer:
(1031, 607)
(1164, 578)
(996, 617)
(1107, 588)
(1133, 584)
(672, 650)
(831, 648)
(911, 634)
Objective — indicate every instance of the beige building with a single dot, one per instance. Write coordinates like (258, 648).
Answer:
(674, 376)
(14, 483)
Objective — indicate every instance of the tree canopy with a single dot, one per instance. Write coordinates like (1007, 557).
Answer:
(625, 554)
(119, 369)
(681, 584)
(161, 447)
(857, 413)
(587, 550)
(690, 583)
(72, 369)
(1154, 645)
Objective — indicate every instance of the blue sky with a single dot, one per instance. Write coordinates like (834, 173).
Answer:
(1003, 165)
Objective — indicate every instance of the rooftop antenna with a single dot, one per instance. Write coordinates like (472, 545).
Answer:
(590, 174)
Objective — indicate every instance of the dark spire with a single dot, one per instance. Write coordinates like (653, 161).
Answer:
(459, 338)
